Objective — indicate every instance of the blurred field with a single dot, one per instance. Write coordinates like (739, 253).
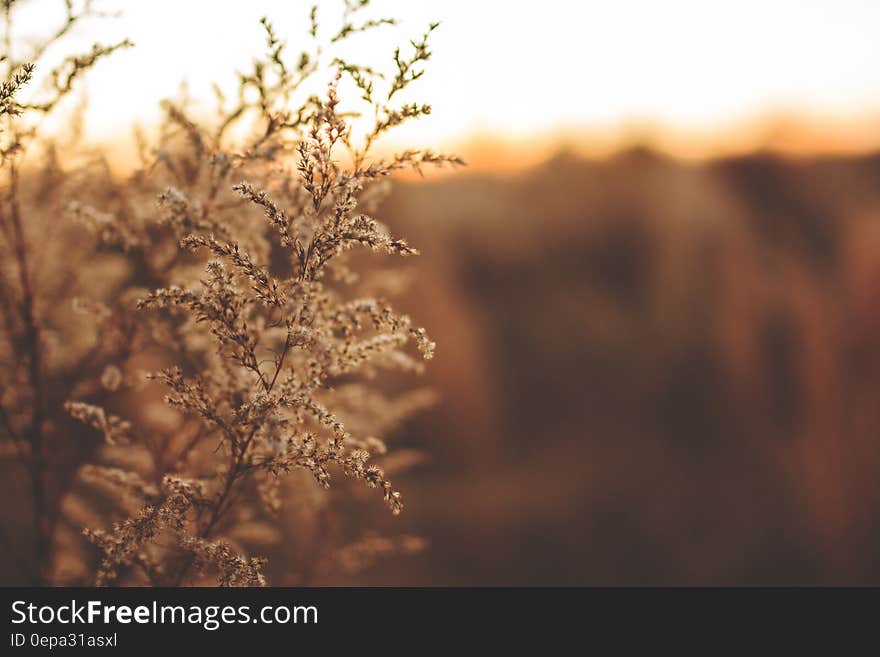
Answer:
(652, 373)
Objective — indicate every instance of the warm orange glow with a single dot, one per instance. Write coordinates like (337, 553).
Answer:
(527, 78)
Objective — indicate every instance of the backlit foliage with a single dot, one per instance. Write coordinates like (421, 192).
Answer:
(240, 300)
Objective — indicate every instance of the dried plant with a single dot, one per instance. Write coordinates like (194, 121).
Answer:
(32, 373)
(239, 290)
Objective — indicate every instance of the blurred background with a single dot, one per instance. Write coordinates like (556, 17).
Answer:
(655, 290)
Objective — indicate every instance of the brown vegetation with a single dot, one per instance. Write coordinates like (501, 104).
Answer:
(277, 356)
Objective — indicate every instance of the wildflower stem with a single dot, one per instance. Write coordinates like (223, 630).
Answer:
(37, 465)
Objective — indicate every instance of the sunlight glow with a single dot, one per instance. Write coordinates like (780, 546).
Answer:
(521, 71)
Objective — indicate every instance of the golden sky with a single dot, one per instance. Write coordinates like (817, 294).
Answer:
(527, 73)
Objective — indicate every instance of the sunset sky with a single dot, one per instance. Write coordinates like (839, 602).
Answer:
(530, 72)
